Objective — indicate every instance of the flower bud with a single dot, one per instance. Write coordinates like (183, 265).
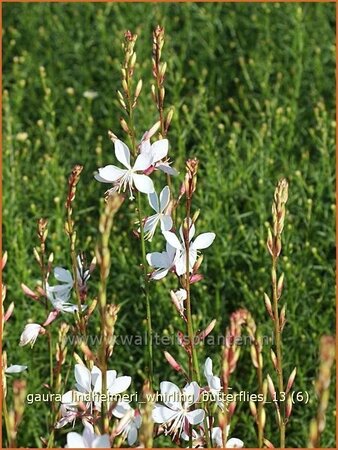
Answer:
(271, 388)
(280, 285)
(288, 407)
(253, 408)
(274, 359)
(291, 380)
(174, 364)
(268, 305)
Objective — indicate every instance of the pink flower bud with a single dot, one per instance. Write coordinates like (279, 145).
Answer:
(51, 317)
(200, 337)
(9, 312)
(196, 278)
(27, 291)
(291, 380)
(174, 364)
(288, 407)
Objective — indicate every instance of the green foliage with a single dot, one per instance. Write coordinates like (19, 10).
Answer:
(253, 91)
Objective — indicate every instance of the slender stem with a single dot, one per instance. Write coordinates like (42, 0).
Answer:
(278, 344)
(144, 259)
(260, 407)
(194, 367)
(147, 296)
(7, 425)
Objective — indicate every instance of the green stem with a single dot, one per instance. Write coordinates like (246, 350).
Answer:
(278, 344)
(147, 297)
(7, 425)
(260, 407)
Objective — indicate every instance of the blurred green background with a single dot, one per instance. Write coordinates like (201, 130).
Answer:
(253, 90)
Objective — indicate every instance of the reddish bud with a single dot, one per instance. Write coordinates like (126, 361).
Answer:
(291, 380)
(174, 364)
(27, 291)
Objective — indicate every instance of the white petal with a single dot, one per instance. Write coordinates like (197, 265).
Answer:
(121, 409)
(164, 198)
(216, 435)
(145, 146)
(15, 368)
(180, 265)
(88, 434)
(159, 149)
(191, 393)
(192, 258)
(101, 441)
(95, 375)
(143, 183)
(122, 153)
(167, 169)
(121, 384)
(71, 398)
(111, 377)
(204, 240)
(83, 378)
(132, 435)
(214, 383)
(143, 162)
(151, 223)
(171, 395)
(172, 239)
(171, 253)
(153, 201)
(63, 275)
(157, 260)
(75, 440)
(163, 414)
(208, 368)
(110, 173)
(166, 223)
(159, 274)
(234, 443)
(195, 417)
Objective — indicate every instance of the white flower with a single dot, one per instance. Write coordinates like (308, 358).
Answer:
(15, 369)
(89, 386)
(198, 438)
(127, 178)
(130, 422)
(159, 205)
(157, 152)
(175, 416)
(30, 334)
(162, 262)
(202, 241)
(88, 439)
(214, 382)
(59, 295)
(216, 435)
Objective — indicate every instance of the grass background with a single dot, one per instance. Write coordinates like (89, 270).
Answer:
(253, 90)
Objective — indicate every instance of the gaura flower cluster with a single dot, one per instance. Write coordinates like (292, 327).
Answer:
(136, 175)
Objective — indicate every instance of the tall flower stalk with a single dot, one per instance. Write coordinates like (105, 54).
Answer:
(73, 180)
(107, 312)
(190, 187)
(128, 101)
(322, 387)
(277, 314)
